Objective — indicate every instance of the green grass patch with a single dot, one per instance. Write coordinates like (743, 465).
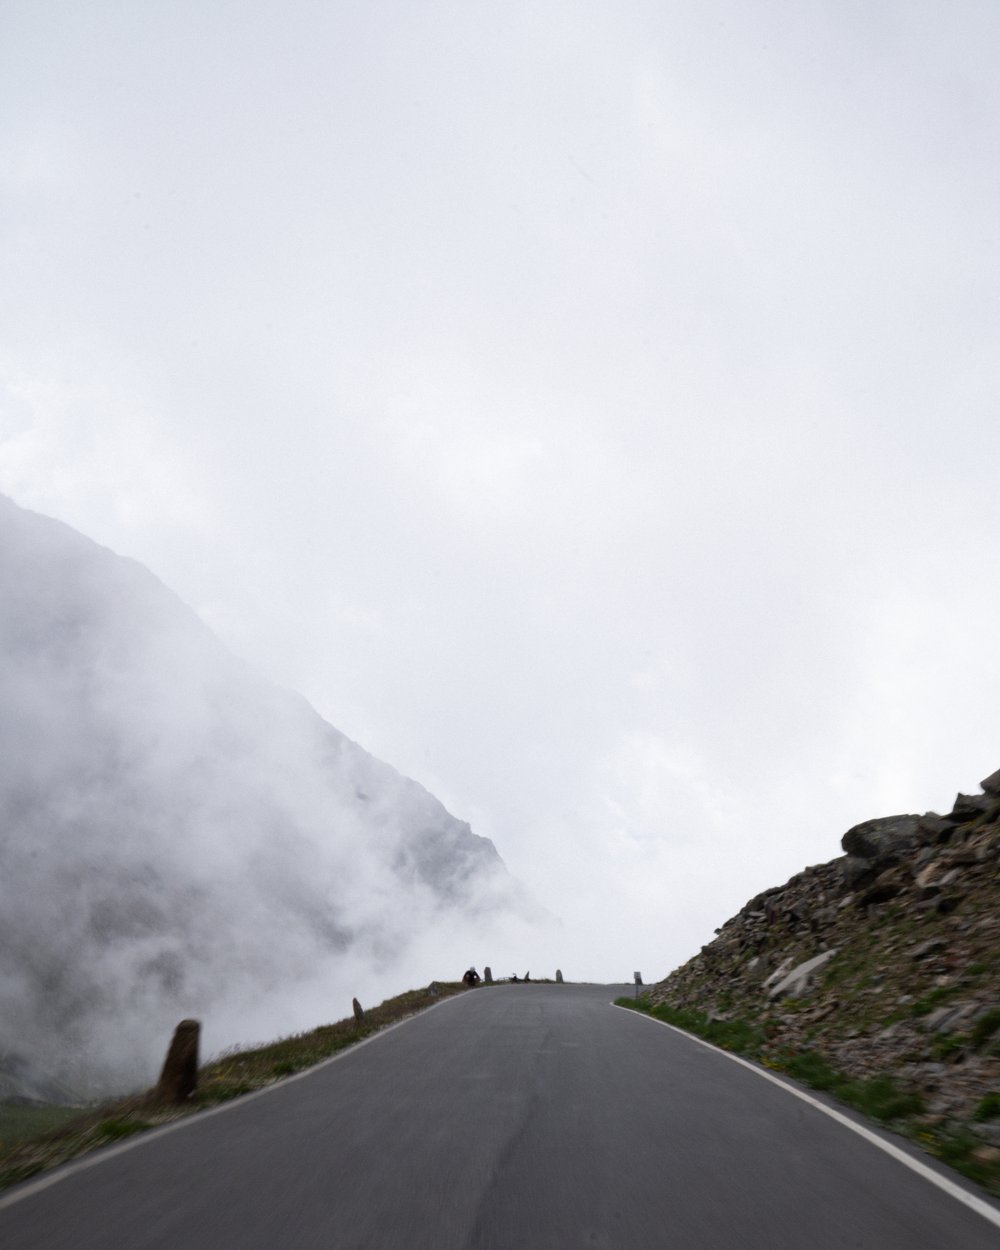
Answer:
(924, 1006)
(985, 1027)
(962, 1151)
(115, 1130)
(736, 1035)
(22, 1121)
(989, 1108)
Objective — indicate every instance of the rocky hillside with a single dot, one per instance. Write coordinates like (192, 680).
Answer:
(884, 962)
(178, 837)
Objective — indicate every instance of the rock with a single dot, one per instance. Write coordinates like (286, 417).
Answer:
(930, 947)
(992, 784)
(933, 828)
(488, 975)
(778, 973)
(179, 1078)
(929, 871)
(801, 978)
(951, 1018)
(857, 872)
(942, 1020)
(359, 1013)
(972, 806)
(882, 839)
(559, 976)
(886, 886)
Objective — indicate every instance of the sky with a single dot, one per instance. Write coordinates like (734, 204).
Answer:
(590, 408)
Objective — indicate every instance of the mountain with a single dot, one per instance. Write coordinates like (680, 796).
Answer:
(179, 837)
(877, 976)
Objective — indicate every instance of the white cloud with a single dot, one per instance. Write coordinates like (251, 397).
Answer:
(579, 404)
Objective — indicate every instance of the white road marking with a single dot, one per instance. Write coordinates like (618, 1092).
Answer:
(967, 1199)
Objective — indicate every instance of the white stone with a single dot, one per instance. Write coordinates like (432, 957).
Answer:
(800, 979)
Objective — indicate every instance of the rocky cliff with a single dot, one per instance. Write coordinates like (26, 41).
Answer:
(883, 963)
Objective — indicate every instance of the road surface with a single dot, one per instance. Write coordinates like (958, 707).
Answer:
(522, 1117)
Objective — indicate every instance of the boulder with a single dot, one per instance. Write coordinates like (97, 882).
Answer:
(883, 839)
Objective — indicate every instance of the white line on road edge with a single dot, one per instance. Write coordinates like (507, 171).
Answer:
(102, 1154)
(967, 1199)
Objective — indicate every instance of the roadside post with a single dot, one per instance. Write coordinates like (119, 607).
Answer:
(638, 982)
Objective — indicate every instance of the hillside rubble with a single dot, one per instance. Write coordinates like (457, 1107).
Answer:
(884, 962)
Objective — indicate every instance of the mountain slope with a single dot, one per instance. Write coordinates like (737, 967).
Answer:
(177, 836)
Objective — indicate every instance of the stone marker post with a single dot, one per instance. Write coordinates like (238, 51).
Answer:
(179, 1078)
(559, 979)
(359, 1013)
(488, 975)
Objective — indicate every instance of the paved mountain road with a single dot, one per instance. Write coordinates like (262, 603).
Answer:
(517, 1118)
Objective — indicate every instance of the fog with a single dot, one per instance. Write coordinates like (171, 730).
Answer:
(589, 408)
(181, 838)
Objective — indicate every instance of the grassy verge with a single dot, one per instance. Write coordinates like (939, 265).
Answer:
(881, 1098)
(22, 1121)
(43, 1137)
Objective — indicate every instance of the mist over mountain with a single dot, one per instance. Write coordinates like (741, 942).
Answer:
(179, 837)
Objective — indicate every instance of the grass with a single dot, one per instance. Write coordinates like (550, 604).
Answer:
(989, 1108)
(734, 1034)
(985, 1027)
(23, 1121)
(37, 1138)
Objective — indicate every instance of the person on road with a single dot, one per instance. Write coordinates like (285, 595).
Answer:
(471, 977)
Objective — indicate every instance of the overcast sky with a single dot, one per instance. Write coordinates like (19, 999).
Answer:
(590, 407)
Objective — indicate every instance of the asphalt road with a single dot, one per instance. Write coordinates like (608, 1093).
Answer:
(534, 1117)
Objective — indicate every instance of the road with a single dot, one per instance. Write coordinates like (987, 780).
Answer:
(514, 1118)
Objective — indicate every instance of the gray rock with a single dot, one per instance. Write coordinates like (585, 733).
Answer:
(951, 1018)
(934, 828)
(940, 1021)
(857, 872)
(971, 806)
(883, 839)
(179, 1078)
(801, 979)
(930, 947)
(886, 886)
(992, 784)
